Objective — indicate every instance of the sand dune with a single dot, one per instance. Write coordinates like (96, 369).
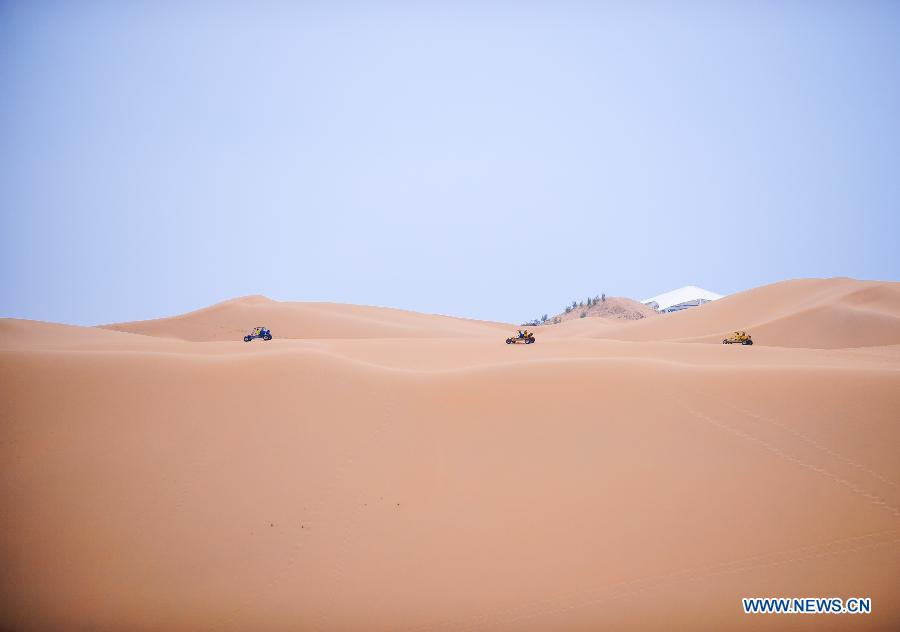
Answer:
(231, 319)
(815, 313)
(376, 469)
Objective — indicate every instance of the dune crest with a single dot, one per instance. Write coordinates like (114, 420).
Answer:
(294, 320)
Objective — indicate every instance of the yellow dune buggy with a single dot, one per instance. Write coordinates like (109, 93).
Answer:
(738, 338)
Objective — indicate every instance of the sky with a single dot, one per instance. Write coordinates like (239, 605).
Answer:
(486, 160)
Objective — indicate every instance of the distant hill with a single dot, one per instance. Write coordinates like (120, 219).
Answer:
(610, 307)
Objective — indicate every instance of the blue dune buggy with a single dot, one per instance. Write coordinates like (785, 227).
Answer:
(258, 332)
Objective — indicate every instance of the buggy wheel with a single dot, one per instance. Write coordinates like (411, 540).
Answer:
(747, 342)
(509, 341)
(247, 338)
(268, 337)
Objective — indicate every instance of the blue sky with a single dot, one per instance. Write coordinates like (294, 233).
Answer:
(485, 160)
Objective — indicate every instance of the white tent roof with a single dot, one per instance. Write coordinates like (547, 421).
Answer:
(682, 295)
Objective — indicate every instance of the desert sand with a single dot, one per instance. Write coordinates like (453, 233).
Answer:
(375, 469)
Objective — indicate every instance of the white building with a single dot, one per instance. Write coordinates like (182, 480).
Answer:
(682, 298)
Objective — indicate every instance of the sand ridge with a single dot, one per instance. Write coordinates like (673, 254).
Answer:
(228, 321)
